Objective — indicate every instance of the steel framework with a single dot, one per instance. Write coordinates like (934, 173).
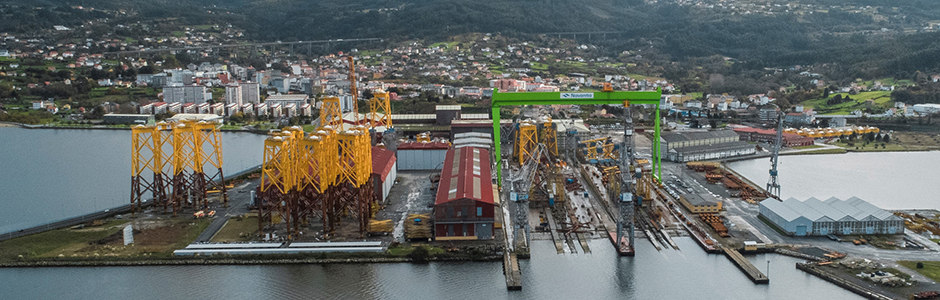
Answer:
(548, 135)
(277, 180)
(525, 141)
(380, 110)
(182, 149)
(330, 113)
(608, 96)
(148, 154)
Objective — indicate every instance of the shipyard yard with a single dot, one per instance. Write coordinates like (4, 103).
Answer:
(440, 199)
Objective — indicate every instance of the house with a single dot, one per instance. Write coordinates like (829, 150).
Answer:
(465, 206)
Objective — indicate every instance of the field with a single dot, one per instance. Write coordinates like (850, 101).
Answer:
(882, 101)
(931, 268)
(917, 140)
(46, 243)
(237, 230)
(871, 147)
(152, 237)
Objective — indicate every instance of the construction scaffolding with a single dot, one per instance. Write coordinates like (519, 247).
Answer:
(186, 148)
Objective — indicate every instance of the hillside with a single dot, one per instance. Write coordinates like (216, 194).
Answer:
(864, 38)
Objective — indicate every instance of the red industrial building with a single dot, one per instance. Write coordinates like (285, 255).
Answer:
(384, 172)
(750, 134)
(464, 208)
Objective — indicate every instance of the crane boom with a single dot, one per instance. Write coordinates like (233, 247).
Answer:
(352, 88)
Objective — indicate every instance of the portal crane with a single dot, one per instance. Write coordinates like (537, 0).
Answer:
(773, 187)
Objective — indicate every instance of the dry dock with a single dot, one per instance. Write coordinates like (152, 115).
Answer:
(745, 265)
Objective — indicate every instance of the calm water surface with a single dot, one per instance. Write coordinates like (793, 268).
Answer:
(686, 274)
(890, 180)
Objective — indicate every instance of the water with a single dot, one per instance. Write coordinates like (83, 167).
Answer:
(890, 180)
(52, 174)
(688, 274)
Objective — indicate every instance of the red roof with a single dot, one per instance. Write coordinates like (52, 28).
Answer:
(466, 175)
(383, 161)
(428, 146)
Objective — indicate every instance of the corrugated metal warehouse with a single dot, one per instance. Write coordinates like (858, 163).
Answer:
(833, 216)
(384, 172)
(464, 207)
(421, 156)
(702, 145)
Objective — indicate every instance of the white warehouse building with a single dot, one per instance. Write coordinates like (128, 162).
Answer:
(833, 216)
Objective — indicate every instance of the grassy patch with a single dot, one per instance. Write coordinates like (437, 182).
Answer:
(407, 249)
(237, 230)
(820, 151)
(40, 244)
(871, 147)
(882, 100)
(808, 147)
(931, 268)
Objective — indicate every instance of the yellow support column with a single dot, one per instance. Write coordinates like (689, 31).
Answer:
(330, 113)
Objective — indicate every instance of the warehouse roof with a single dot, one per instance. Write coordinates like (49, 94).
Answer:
(727, 146)
(383, 161)
(291, 97)
(700, 200)
(425, 146)
(833, 209)
(466, 175)
(676, 136)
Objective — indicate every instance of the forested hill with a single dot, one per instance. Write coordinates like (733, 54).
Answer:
(863, 36)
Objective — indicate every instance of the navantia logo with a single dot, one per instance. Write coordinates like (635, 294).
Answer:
(577, 95)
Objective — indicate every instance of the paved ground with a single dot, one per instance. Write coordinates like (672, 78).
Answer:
(411, 194)
(237, 205)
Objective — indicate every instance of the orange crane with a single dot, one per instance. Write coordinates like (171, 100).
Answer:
(352, 88)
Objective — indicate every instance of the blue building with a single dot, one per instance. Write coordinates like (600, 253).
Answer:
(814, 217)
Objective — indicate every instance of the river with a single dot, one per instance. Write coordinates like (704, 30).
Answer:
(890, 180)
(686, 274)
(53, 174)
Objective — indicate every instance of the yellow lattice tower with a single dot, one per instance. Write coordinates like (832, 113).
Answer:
(183, 150)
(328, 155)
(525, 141)
(184, 157)
(147, 155)
(380, 110)
(363, 160)
(276, 180)
(330, 113)
(549, 136)
(348, 146)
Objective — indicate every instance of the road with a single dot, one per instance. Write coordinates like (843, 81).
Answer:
(238, 199)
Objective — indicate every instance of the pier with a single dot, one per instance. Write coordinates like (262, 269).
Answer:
(745, 265)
